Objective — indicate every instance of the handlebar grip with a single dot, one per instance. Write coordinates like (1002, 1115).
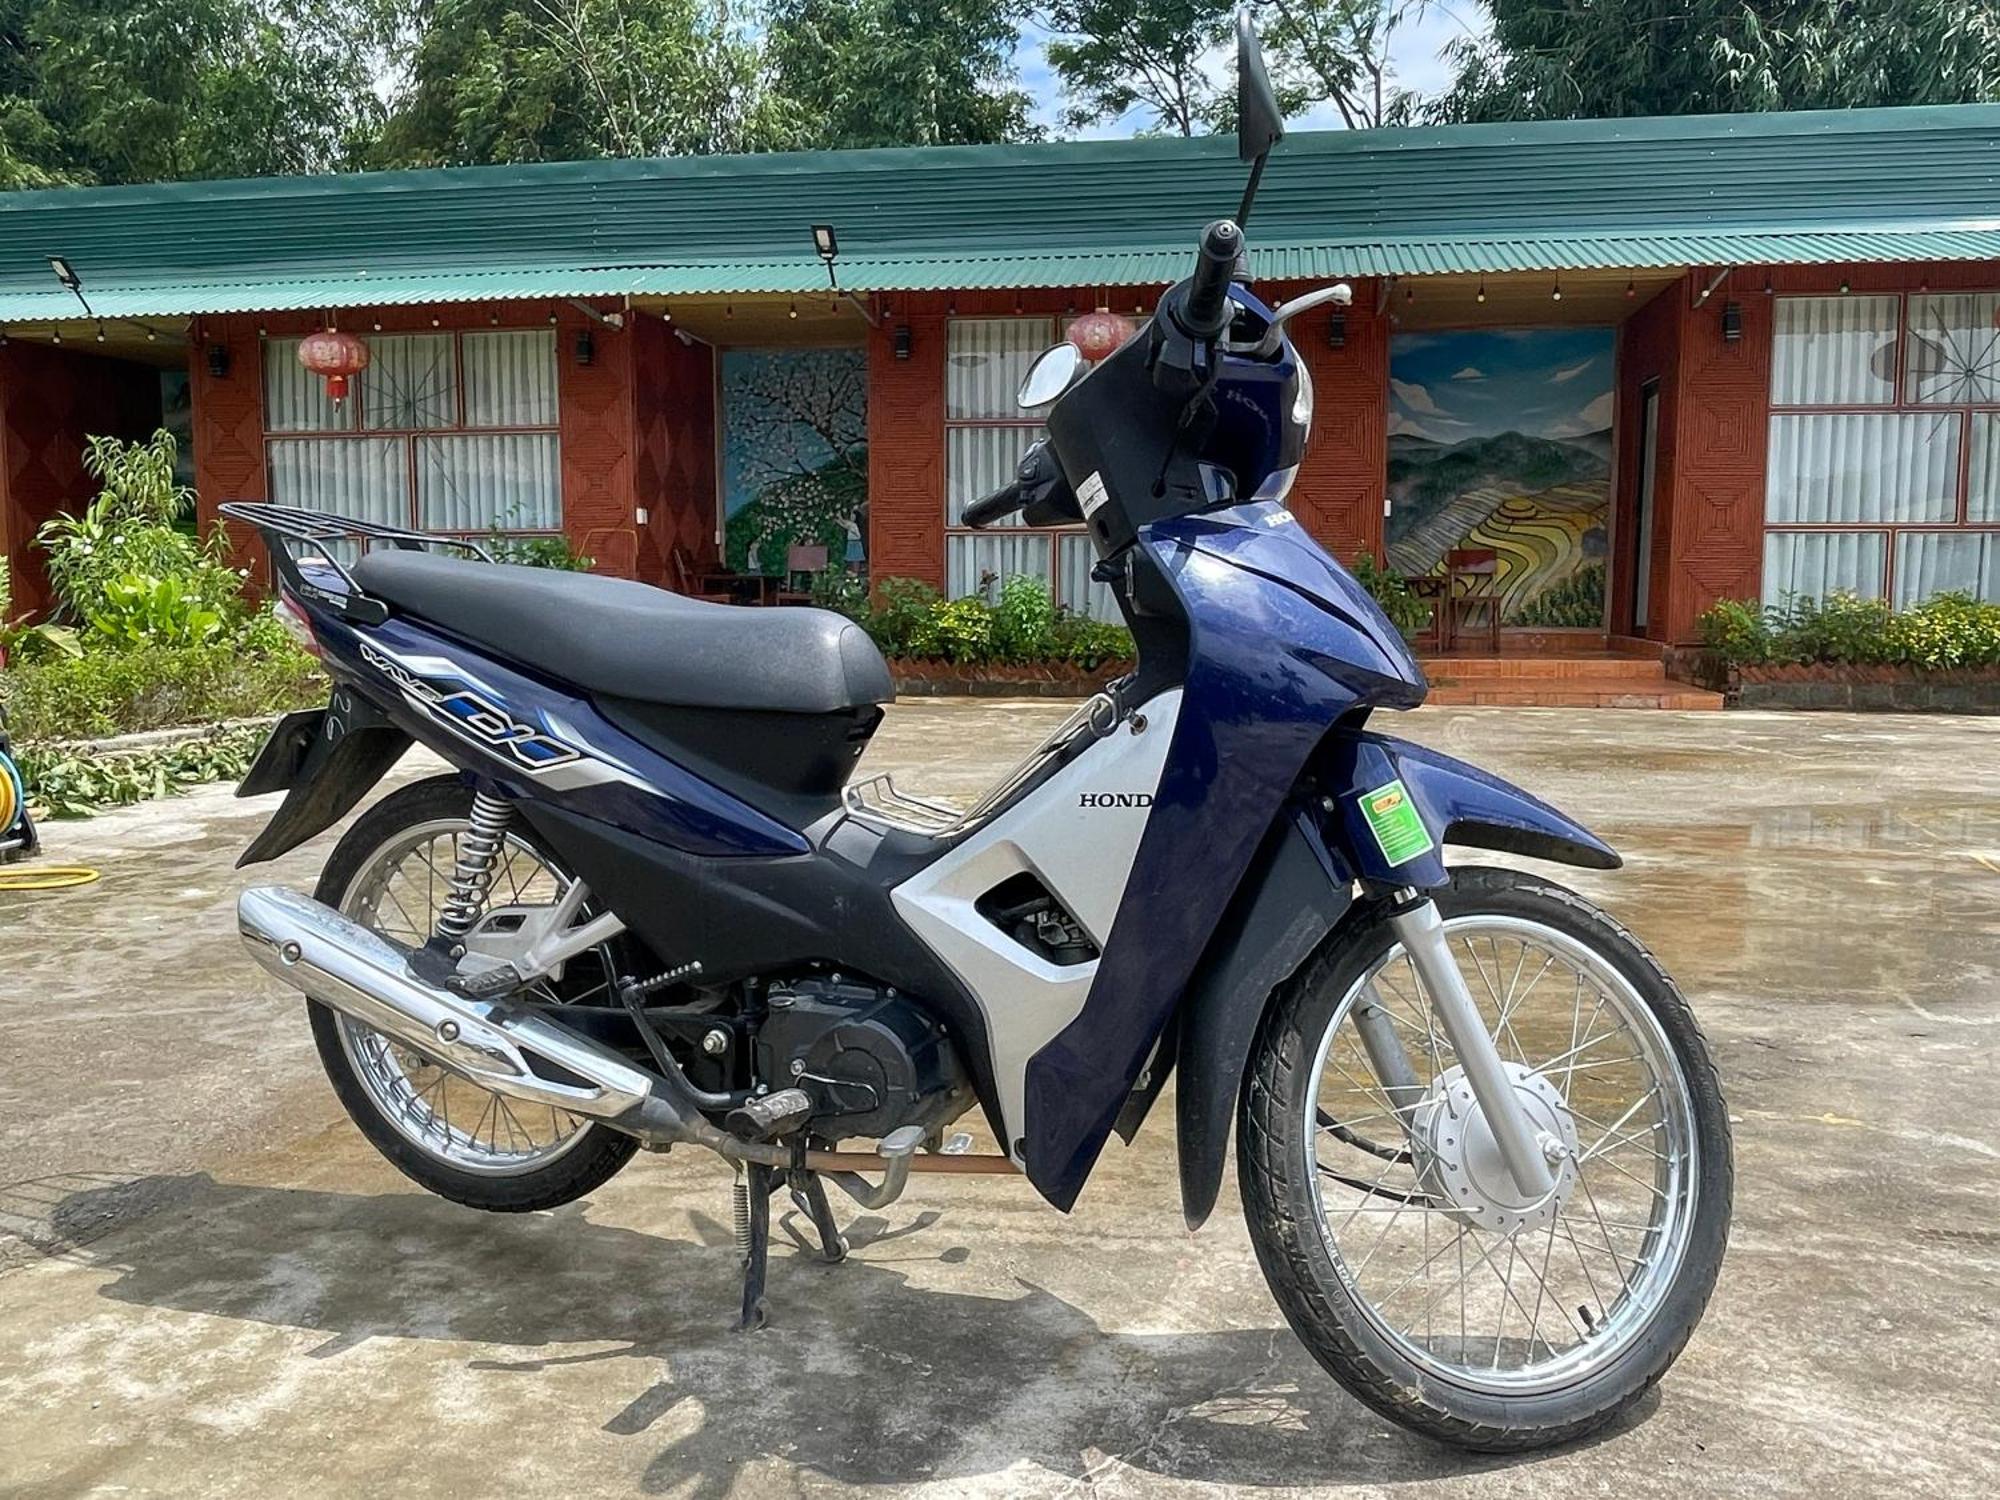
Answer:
(987, 509)
(1204, 314)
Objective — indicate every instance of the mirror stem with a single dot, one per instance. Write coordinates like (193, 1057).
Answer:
(1250, 189)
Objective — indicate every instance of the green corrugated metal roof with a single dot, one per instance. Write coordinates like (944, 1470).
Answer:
(1898, 184)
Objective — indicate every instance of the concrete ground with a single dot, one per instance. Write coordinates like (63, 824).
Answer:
(210, 1285)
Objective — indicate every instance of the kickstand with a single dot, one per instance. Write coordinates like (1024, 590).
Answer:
(809, 1194)
(754, 1220)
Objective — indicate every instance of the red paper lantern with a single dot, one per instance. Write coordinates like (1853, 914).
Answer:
(335, 355)
(1099, 333)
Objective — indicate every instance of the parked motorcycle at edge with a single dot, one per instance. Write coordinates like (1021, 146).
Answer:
(1482, 1148)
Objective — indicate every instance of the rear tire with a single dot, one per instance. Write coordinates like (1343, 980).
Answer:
(1317, 1274)
(583, 1161)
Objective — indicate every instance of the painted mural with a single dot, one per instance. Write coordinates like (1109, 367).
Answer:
(1501, 439)
(794, 454)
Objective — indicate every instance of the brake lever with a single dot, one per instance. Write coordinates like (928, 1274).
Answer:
(1340, 294)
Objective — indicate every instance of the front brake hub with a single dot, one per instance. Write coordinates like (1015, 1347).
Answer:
(1460, 1163)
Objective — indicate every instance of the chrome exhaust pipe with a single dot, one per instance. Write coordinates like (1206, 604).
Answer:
(492, 1043)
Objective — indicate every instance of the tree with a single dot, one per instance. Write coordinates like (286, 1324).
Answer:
(563, 80)
(1337, 52)
(897, 72)
(1117, 56)
(118, 91)
(1665, 57)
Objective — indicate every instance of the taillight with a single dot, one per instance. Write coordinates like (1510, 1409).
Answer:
(296, 625)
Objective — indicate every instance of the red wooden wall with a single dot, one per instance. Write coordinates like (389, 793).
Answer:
(51, 399)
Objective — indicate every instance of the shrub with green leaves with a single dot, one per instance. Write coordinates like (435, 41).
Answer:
(538, 552)
(130, 532)
(964, 631)
(1405, 610)
(1023, 620)
(1944, 632)
(68, 783)
(159, 687)
(902, 621)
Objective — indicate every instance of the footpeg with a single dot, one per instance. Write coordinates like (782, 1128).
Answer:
(487, 984)
(770, 1115)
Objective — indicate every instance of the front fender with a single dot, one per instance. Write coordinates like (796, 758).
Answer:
(1388, 807)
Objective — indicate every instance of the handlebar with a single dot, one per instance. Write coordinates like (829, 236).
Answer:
(987, 509)
(1204, 311)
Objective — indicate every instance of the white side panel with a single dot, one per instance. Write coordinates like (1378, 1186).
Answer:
(1080, 833)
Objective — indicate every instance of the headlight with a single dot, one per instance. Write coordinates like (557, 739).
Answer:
(1302, 404)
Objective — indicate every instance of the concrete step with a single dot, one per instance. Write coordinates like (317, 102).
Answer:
(1596, 667)
(1605, 692)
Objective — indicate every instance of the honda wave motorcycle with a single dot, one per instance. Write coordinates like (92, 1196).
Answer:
(1481, 1145)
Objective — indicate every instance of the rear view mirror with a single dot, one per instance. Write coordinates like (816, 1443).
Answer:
(1260, 124)
(1052, 373)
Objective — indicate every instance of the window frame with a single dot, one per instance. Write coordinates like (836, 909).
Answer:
(1054, 574)
(1901, 403)
(357, 426)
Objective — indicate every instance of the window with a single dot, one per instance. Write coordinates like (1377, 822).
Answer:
(985, 436)
(446, 432)
(1884, 466)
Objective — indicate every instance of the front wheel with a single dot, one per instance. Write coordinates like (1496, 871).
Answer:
(1395, 1245)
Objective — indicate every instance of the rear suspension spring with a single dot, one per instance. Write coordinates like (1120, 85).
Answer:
(477, 852)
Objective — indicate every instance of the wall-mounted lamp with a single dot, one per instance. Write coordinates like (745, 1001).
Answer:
(218, 360)
(902, 341)
(826, 244)
(586, 347)
(1732, 322)
(1336, 331)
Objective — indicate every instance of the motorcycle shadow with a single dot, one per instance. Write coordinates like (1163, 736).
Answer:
(866, 1376)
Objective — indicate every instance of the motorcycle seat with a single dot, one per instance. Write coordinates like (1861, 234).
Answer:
(632, 641)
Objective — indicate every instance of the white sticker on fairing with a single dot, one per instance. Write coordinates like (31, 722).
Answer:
(1090, 494)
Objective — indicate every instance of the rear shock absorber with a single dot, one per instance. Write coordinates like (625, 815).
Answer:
(477, 854)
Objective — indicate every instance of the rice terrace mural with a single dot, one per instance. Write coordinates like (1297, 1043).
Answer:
(1502, 439)
(794, 454)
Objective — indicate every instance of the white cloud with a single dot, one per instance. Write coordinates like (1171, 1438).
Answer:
(1401, 425)
(1414, 396)
(1470, 372)
(1562, 377)
(1593, 418)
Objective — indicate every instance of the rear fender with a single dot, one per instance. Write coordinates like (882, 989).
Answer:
(325, 760)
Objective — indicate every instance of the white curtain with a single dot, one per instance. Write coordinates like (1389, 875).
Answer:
(510, 378)
(1940, 562)
(985, 359)
(1841, 467)
(366, 478)
(1983, 501)
(295, 399)
(1834, 351)
(1075, 558)
(977, 461)
(1953, 349)
(971, 560)
(468, 482)
(411, 382)
(1821, 562)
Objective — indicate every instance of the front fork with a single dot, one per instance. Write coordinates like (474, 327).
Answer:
(1415, 920)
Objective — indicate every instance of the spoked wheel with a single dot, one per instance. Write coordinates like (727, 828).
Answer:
(1394, 1236)
(391, 873)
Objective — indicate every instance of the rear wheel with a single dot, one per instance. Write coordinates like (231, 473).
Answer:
(390, 873)
(1392, 1236)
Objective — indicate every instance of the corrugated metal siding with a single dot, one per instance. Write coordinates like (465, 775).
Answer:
(1843, 185)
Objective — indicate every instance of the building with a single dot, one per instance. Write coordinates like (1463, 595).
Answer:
(1651, 363)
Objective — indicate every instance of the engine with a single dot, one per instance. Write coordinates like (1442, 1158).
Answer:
(869, 1059)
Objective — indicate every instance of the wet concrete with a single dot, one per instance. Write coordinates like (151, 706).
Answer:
(210, 1284)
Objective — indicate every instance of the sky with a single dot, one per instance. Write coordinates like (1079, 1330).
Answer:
(1414, 53)
(1546, 382)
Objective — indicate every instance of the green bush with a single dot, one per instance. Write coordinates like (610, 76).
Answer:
(902, 622)
(1405, 610)
(1946, 631)
(843, 591)
(110, 562)
(537, 552)
(964, 631)
(1089, 643)
(1023, 620)
(158, 687)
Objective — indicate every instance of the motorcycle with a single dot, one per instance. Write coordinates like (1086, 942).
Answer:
(1481, 1145)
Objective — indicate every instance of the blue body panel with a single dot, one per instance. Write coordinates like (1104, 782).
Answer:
(534, 739)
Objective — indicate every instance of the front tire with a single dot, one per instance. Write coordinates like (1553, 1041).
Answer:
(1384, 1261)
(403, 1103)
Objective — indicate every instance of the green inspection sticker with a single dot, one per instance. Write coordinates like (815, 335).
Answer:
(1397, 825)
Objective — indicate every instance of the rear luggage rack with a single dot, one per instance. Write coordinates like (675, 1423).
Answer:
(876, 801)
(294, 535)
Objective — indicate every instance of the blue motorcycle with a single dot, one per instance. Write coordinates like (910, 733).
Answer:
(1481, 1145)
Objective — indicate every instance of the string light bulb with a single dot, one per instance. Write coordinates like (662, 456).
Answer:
(1481, 296)
(1557, 294)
